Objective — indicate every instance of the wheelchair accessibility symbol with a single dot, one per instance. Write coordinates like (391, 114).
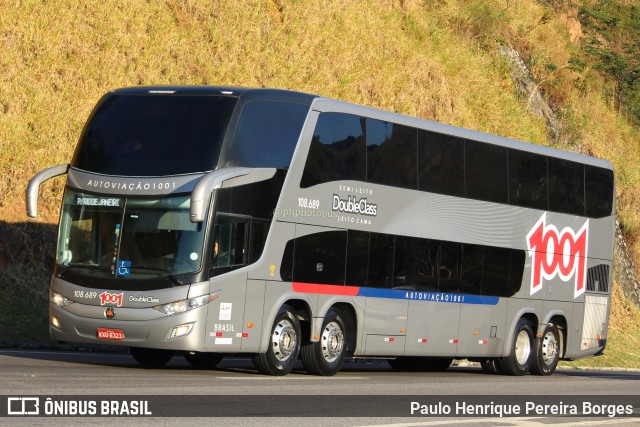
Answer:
(124, 268)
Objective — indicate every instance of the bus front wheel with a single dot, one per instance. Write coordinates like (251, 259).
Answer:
(203, 360)
(518, 362)
(326, 356)
(150, 356)
(547, 351)
(284, 345)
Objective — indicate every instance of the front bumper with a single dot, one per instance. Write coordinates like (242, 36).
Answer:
(141, 327)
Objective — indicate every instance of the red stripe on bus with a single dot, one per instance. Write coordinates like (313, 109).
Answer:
(314, 288)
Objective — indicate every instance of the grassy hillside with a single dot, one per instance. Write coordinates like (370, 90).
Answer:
(437, 60)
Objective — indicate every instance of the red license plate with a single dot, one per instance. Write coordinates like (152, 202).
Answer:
(110, 334)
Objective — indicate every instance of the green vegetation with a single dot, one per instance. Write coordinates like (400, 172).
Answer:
(432, 59)
(613, 46)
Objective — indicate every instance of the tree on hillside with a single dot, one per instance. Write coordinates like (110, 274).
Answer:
(613, 45)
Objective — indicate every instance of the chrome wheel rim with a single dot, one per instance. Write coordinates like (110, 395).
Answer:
(284, 340)
(332, 342)
(523, 347)
(549, 348)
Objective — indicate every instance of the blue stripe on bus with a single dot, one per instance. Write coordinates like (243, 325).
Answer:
(428, 296)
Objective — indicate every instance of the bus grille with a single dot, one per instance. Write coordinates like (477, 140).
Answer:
(598, 278)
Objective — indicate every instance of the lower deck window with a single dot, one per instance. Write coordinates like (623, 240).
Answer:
(357, 258)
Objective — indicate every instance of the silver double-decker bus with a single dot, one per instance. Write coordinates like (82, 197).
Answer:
(283, 226)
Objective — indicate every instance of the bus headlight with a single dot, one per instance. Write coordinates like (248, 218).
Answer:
(59, 300)
(178, 307)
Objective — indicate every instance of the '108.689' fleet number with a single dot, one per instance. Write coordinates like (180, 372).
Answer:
(83, 294)
(303, 202)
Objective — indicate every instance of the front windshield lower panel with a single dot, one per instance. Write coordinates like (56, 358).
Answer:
(128, 238)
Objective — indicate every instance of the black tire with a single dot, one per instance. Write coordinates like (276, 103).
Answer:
(490, 367)
(547, 351)
(151, 357)
(327, 356)
(519, 360)
(203, 360)
(284, 345)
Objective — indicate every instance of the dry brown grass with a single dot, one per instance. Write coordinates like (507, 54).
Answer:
(60, 57)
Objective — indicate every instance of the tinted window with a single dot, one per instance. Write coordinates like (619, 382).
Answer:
(230, 241)
(258, 237)
(404, 263)
(257, 200)
(428, 268)
(486, 172)
(450, 267)
(337, 150)
(598, 191)
(286, 266)
(440, 163)
(154, 135)
(267, 135)
(502, 271)
(471, 269)
(527, 179)
(380, 260)
(405, 269)
(416, 264)
(357, 258)
(566, 186)
(391, 154)
(320, 258)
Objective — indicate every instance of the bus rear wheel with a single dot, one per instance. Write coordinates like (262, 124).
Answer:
(203, 360)
(151, 357)
(327, 356)
(547, 351)
(518, 362)
(284, 345)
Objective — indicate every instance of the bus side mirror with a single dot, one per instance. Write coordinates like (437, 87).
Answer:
(34, 185)
(206, 185)
(233, 175)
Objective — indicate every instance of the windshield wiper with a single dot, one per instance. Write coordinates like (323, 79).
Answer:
(170, 275)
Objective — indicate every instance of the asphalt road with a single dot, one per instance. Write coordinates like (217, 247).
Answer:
(44, 373)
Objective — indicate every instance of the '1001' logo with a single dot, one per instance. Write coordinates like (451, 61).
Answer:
(109, 298)
(558, 253)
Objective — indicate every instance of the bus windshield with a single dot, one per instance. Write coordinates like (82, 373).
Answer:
(154, 135)
(110, 236)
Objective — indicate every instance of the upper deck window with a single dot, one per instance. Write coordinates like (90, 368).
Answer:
(338, 150)
(154, 134)
(391, 154)
(266, 135)
(347, 147)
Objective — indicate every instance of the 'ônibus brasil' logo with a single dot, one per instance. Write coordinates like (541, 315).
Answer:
(558, 253)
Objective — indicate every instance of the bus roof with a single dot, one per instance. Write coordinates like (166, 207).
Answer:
(240, 92)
